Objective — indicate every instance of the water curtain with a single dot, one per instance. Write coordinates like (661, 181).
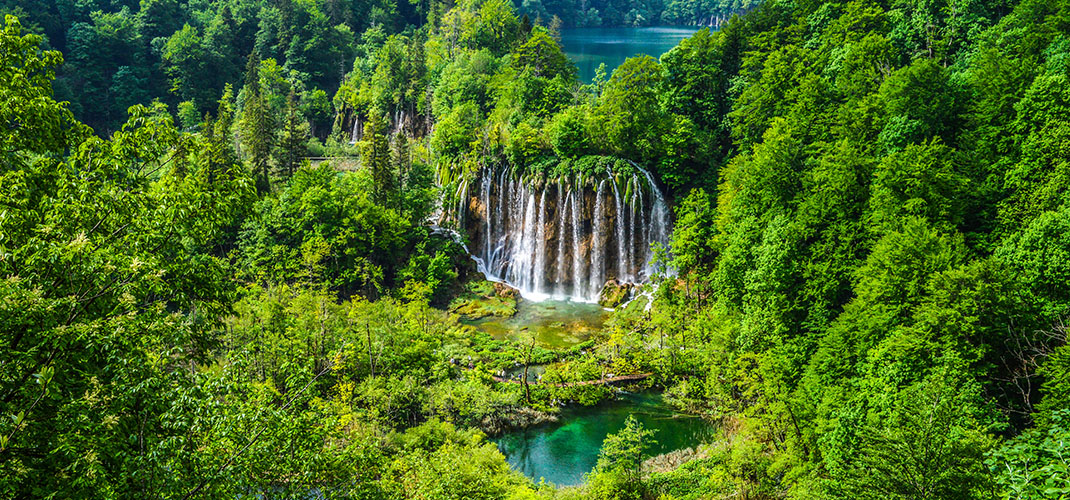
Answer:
(563, 239)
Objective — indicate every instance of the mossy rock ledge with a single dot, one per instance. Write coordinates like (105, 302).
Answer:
(482, 298)
(615, 293)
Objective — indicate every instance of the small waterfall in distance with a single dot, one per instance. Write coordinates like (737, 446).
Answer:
(558, 240)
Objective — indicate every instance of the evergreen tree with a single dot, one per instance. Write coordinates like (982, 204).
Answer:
(618, 475)
(375, 155)
(222, 129)
(292, 138)
(257, 127)
(401, 156)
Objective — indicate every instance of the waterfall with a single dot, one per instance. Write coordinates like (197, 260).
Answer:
(462, 203)
(618, 223)
(521, 218)
(522, 253)
(562, 263)
(643, 229)
(598, 247)
(487, 215)
(579, 271)
(633, 228)
(499, 249)
(539, 272)
(660, 226)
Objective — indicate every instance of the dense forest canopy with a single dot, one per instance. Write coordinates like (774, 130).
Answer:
(121, 53)
(870, 258)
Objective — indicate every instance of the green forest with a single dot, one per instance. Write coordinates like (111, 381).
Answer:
(232, 262)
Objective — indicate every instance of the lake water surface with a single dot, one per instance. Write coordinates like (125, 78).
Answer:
(589, 47)
(564, 451)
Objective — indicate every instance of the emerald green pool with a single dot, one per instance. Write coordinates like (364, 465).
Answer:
(563, 452)
(557, 324)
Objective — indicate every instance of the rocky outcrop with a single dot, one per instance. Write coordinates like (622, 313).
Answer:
(505, 291)
(668, 462)
(614, 293)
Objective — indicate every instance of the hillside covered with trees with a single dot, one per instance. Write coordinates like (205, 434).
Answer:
(121, 53)
(866, 289)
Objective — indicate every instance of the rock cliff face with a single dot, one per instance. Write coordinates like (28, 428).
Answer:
(562, 239)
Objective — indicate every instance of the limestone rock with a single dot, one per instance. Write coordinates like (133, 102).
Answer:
(505, 291)
(615, 293)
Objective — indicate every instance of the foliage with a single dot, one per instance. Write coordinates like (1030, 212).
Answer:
(109, 289)
(1034, 464)
(618, 473)
(870, 245)
(325, 227)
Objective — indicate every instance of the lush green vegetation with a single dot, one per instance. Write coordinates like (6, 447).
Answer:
(123, 52)
(633, 13)
(871, 245)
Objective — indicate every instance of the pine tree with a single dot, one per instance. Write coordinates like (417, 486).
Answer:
(401, 155)
(222, 127)
(555, 28)
(292, 139)
(525, 28)
(376, 156)
(257, 128)
(219, 136)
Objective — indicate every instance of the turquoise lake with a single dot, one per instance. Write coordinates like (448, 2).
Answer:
(564, 451)
(589, 47)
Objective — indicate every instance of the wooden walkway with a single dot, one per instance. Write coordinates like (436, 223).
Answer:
(611, 380)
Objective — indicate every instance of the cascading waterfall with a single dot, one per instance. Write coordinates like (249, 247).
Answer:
(631, 217)
(563, 240)
(579, 257)
(660, 226)
(539, 272)
(562, 263)
(598, 243)
(622, 249)
(462, 200)
(521, 274)
(485, 195)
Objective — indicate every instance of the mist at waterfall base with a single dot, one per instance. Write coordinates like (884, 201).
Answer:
(563, 240)
(563, 452)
